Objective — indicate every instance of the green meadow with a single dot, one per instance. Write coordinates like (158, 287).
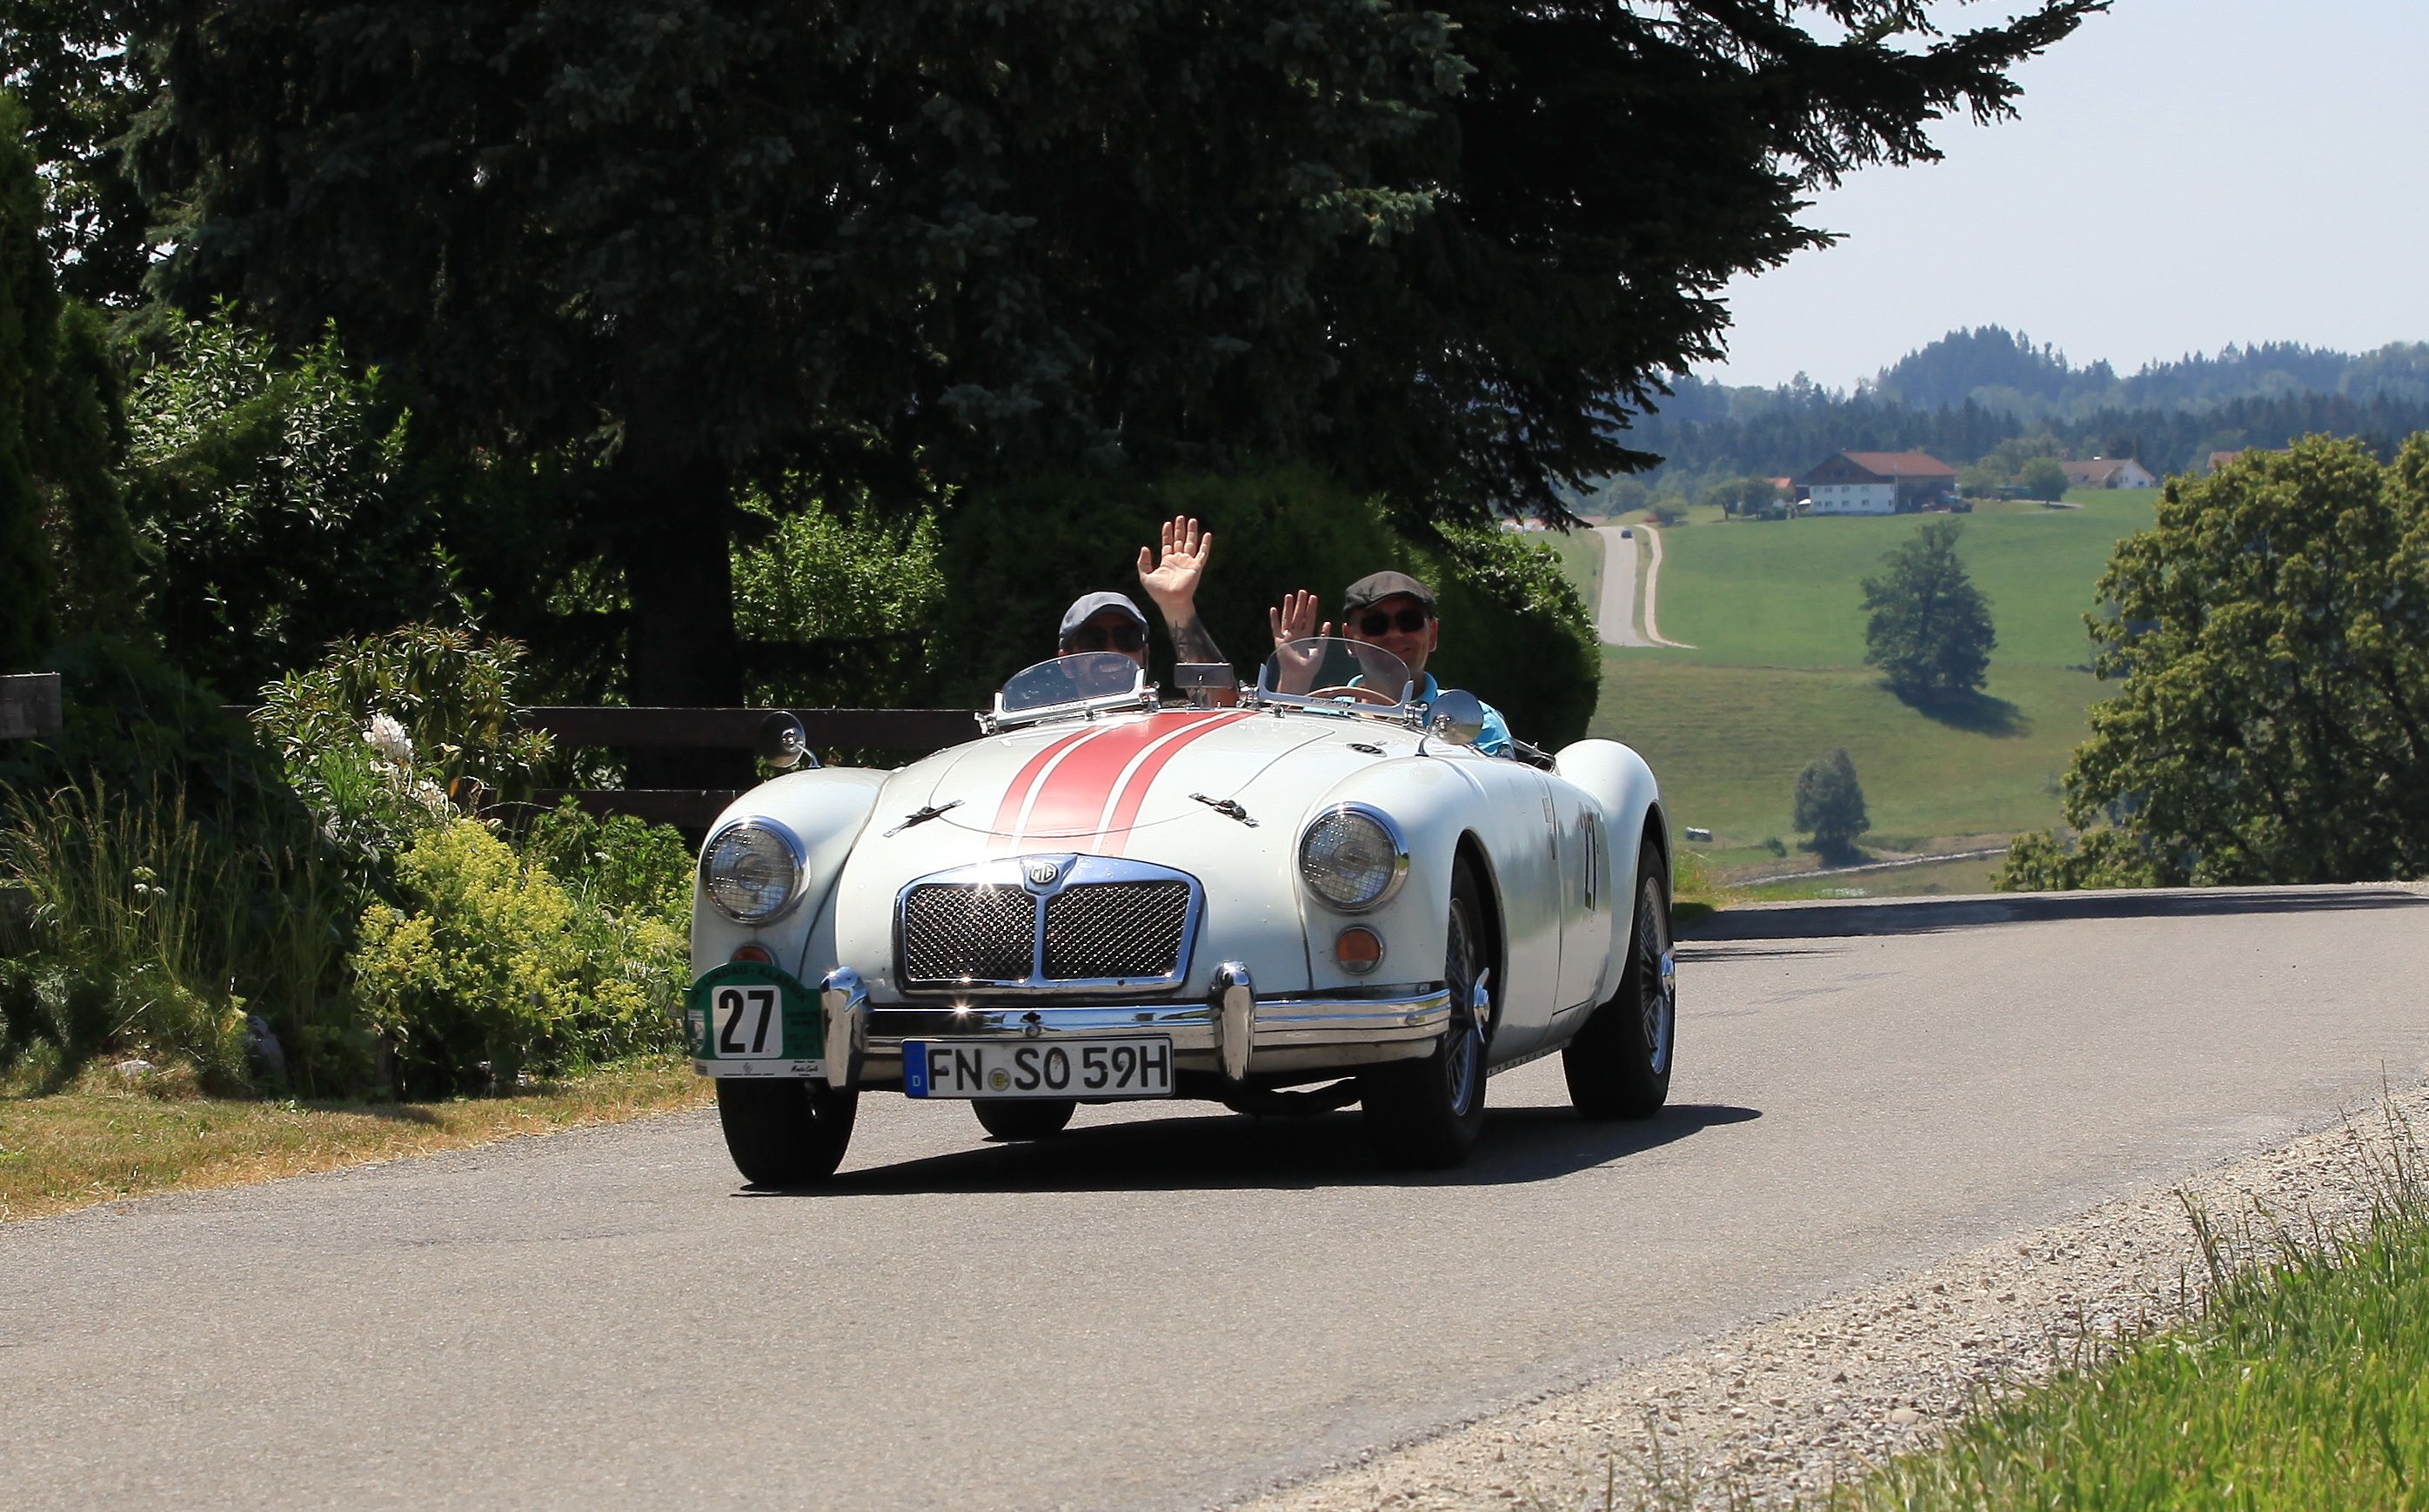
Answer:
(1775, 613)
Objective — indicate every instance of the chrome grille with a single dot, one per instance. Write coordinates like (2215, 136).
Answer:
(983, 933)
(1099, 930)
(1067, 923)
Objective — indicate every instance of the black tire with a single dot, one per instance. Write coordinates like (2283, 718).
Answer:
(1619, 1064)
(783, 1131)
(1014, 1118)
(1424, 1114)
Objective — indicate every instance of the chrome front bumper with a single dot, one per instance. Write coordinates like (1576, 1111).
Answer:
(1230, 1031)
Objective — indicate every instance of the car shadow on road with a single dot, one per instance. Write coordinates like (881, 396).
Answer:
(1231, 1151)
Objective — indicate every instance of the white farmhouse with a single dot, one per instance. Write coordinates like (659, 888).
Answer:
(2109, 472)
(1878, 482)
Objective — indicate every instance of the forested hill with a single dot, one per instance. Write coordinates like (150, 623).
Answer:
(1990, 397)
(2003, 370)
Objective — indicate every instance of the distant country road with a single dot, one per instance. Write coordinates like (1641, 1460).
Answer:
(1616, 617)
(1173, 1307)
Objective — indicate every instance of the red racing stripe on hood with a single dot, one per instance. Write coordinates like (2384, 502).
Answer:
(1071, 798)
(1016, 792)
(1134, 791)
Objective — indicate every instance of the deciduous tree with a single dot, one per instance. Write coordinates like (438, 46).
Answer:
(1929, 628)
(2042, 478)
(2270, 637)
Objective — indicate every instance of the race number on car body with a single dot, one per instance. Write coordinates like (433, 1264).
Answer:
(750, 1013)
(1138, 1067)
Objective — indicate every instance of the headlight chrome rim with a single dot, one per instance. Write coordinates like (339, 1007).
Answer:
(1398, 872)
(794, 853)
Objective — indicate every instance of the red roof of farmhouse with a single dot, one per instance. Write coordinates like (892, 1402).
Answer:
(1901, 463)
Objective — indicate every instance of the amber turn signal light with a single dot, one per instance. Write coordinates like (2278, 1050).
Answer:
(1358, 949)
(754, 952)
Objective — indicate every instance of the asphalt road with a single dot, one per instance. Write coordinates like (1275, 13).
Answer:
(1167, 1308)
(1616, 617)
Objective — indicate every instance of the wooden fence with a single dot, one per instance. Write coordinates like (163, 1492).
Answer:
(906, 732)
(29, 705)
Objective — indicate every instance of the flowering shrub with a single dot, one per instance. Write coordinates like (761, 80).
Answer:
(492, 968)
(421, 698)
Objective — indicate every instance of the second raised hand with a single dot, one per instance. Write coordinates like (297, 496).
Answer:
(1295, 619)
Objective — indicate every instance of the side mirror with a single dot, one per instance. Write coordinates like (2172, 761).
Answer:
(1457, 717)
(782, 743)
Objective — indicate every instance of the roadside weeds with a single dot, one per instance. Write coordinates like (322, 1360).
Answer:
(1804, 1410)
(107, 1137)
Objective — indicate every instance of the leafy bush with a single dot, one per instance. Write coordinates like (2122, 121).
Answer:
(834, 607)
(492, 968)
(134, 726)
(451, 700)
(617, 863)
(1830, 803)
(268, 490)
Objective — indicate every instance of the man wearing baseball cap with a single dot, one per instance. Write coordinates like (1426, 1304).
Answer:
(1111, 622)
(1395, 612)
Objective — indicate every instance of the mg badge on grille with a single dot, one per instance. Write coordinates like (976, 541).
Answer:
(1045, 873)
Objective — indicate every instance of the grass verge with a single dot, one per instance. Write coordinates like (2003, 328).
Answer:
(2304, 1384)
(105, 1137)
(1581, 558)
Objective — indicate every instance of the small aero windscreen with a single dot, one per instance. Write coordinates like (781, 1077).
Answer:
(1328, 668)
(1068, 680)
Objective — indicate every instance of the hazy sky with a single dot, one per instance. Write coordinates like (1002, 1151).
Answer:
(2185, 173)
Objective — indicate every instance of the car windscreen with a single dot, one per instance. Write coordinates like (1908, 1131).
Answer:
(1068, 680)
(1329, 668)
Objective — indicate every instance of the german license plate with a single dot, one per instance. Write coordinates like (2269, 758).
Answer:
(1136, 1067)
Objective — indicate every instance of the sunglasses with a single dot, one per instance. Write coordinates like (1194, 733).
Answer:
(1106, 639)
(1376, 622)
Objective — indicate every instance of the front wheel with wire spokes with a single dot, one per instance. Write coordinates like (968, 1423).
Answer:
(1619, 1064)
(1424, 1114)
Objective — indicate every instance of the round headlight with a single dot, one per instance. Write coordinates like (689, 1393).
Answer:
(751, 870)
(1352, 858)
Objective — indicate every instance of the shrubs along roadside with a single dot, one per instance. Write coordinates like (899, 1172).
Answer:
(335, 922)
(487, 968)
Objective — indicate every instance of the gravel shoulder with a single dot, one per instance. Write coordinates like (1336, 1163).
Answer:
(1785, 1409)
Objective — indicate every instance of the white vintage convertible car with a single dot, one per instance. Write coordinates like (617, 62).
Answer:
(1287, 896)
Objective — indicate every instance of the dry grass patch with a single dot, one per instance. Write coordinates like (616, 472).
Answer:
(107, 1136)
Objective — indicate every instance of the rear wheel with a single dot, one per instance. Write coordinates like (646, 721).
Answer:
(1014, 1118)
(783, 1131)
(1619, 1064)
(1424, 1114)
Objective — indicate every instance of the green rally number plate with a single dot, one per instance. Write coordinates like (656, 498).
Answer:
(747, 1011)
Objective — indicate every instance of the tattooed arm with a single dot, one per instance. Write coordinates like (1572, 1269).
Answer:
(1170, 578)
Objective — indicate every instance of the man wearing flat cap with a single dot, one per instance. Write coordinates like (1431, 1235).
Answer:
(1395, 612)
(1111, 622)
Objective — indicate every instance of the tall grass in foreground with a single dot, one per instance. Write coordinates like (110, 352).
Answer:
(126, 925)
(2304, 1386)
